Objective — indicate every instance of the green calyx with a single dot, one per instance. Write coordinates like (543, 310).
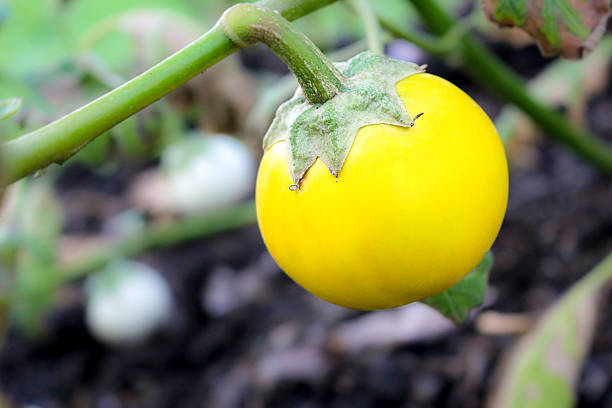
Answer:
(327, 130)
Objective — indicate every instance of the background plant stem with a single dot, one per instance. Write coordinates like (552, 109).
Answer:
(162, 235)
(61, 139)
(484, 67)
(370, 24)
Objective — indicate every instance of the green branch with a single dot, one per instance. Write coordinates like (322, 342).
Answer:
(59, 140)
(438, 45)
(484, 67)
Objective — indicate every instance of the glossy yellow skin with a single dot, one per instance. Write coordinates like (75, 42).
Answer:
(412, 212)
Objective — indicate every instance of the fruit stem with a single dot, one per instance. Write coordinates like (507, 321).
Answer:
(246, 24)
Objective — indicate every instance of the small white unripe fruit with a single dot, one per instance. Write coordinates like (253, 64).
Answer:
(126, 303)
(207, 173)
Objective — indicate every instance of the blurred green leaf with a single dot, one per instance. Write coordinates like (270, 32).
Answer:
(39, 37)
(4, 12)
(457, 301)
(9, 107)
(38, 228)
(42, 215)
(81, 15)
(116, 53)
(96, 152)
(170, 128)
(128, 137)
(543, 368)
(32, 37)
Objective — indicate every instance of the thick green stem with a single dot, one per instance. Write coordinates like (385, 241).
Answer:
(489, 70)
(61, 139)
(197, 226)
(247, 24)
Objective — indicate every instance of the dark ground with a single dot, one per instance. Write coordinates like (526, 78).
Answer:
(271, 347)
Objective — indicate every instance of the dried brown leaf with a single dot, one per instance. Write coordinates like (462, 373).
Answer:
(570, 28)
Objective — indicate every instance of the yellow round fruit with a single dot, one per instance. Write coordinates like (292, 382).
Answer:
(412, 212)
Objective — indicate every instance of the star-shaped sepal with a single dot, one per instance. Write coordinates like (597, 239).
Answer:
(327, 130)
